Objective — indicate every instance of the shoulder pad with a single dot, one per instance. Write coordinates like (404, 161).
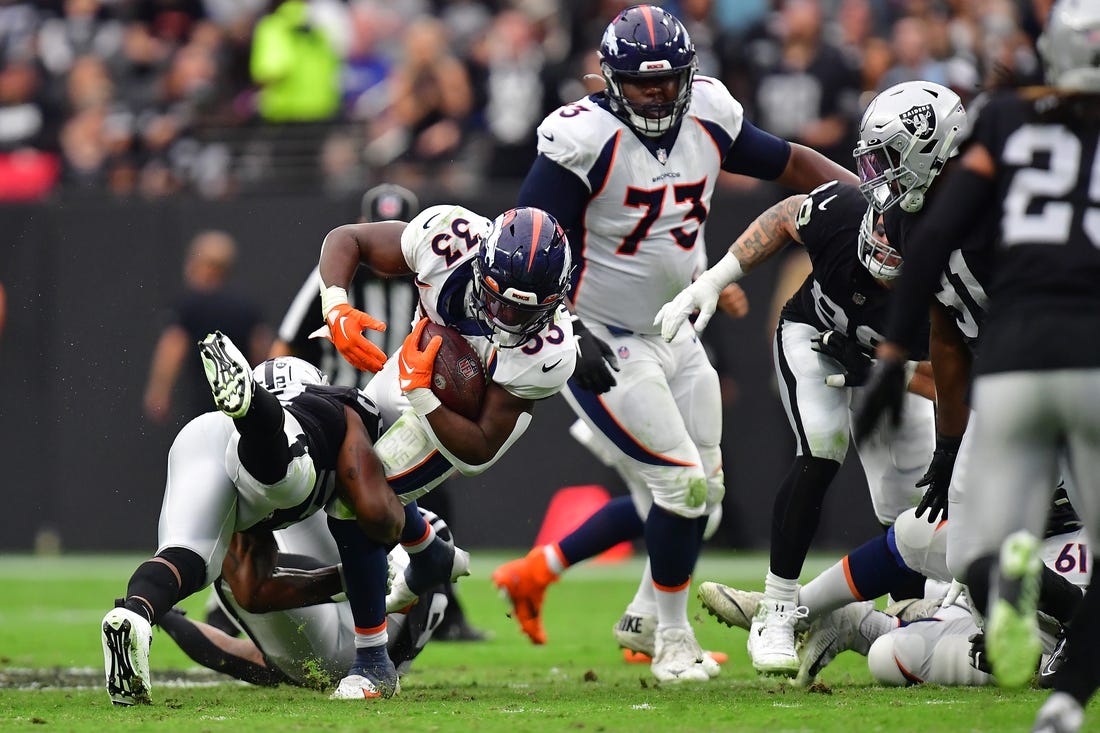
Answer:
(711, 100)
(574, 134)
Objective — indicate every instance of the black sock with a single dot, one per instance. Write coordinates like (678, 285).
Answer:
(796, 513)
(1058, 597)
(979, 581)
(153, 588)
(263, 447)
(1079, 676)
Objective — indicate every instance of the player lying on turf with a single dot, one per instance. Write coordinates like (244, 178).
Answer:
(284, 590)
(283, 446)
(913, 641)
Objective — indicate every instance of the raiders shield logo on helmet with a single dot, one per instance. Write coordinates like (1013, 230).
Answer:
(920, 121)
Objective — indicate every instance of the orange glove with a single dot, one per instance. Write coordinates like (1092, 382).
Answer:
(345, 325)
(415, 366)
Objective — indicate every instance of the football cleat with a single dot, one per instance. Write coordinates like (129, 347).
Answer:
(914, 609)
(1012, 632)
(636, 634)
(126, 640)
(830, 635)
(771, 636)
(523, 585)
(734, 608)
(679, 657)
(1061, 713)
(400, 597)
(228, 373)
(364, 686)
(1052, 664)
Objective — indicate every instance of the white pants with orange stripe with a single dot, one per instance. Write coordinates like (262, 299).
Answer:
(663, 417)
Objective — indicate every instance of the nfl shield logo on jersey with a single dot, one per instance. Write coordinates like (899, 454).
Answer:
(624, 353)
(920, 121)
(662, 156)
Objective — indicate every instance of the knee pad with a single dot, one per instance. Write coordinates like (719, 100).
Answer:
(679, 490)
(922, 546)
(892, 656)
(713, 520)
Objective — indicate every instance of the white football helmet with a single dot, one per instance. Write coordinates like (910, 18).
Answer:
(906, 135)
(1070, 46)
(286, 376)
(876, 254)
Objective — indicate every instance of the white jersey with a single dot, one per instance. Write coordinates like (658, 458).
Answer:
(438, 245)
(644, 225)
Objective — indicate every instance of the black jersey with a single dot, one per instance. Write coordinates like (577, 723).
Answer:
(320, 412)
(964, 281)
(840, 294)
(1045, 294)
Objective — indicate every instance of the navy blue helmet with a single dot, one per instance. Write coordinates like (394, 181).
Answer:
(646, 42)
(521, 275)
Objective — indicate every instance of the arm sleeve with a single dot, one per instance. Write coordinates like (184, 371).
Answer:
(557, 190)
(757, 153)
(948, 221)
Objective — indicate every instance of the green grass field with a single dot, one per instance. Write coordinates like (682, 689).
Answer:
(50, 610)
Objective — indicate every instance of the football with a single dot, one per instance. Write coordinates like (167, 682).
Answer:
(458, 376)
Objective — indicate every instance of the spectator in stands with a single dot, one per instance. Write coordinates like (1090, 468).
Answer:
(430, 102)
(207, 305)
(295, 65)
(28, 161)
(913, 58)
(84, 29)
(805, 89)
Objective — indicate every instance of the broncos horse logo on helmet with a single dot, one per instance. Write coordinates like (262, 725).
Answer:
(521, 275)
(645, 42)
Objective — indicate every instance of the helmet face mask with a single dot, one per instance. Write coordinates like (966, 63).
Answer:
(907, 134)
(875, 253)
(521, 275)
(647, 45)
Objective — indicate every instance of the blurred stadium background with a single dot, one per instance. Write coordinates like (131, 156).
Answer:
(129, 126)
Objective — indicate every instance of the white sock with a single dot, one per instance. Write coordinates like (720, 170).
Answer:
(554, 560)
(672, 606)
(827, 592)
(645, 600)
(780, 589)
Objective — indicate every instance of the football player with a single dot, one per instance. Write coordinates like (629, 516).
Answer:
(823, 343)
(285, 590)
(946, 648)
(282, 446)
(1033, 159)
(630, 172)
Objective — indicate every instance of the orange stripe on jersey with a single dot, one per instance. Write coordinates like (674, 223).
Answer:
(940, 525)
(717, 147)
(649, 24)
(670, 588)
(851, 583)
(407, 472)
(373, 630)
(536, 222)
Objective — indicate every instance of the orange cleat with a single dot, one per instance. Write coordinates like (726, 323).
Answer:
(524, 581)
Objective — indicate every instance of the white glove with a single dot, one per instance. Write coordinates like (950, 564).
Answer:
(702, 294)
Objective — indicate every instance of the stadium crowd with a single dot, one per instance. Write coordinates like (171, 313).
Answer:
(220, 98)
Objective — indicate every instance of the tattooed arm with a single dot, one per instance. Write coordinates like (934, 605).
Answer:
(769, 233)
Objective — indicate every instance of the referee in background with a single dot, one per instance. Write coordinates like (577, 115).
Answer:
(393, 301)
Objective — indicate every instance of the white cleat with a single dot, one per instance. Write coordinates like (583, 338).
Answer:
(638, 633)
(733, 607)
(1061, 713)
(678, 657)
(126, 639)
(771, 637)
(228, 373)
(830, 635)
(360, 687)
(401, 597)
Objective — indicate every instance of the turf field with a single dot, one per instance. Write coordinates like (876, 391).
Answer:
(51, 671)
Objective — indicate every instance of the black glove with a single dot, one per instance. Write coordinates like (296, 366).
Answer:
(979, 660)
(883, 395)
(856, 364)
(938, 477)
(595, 360)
